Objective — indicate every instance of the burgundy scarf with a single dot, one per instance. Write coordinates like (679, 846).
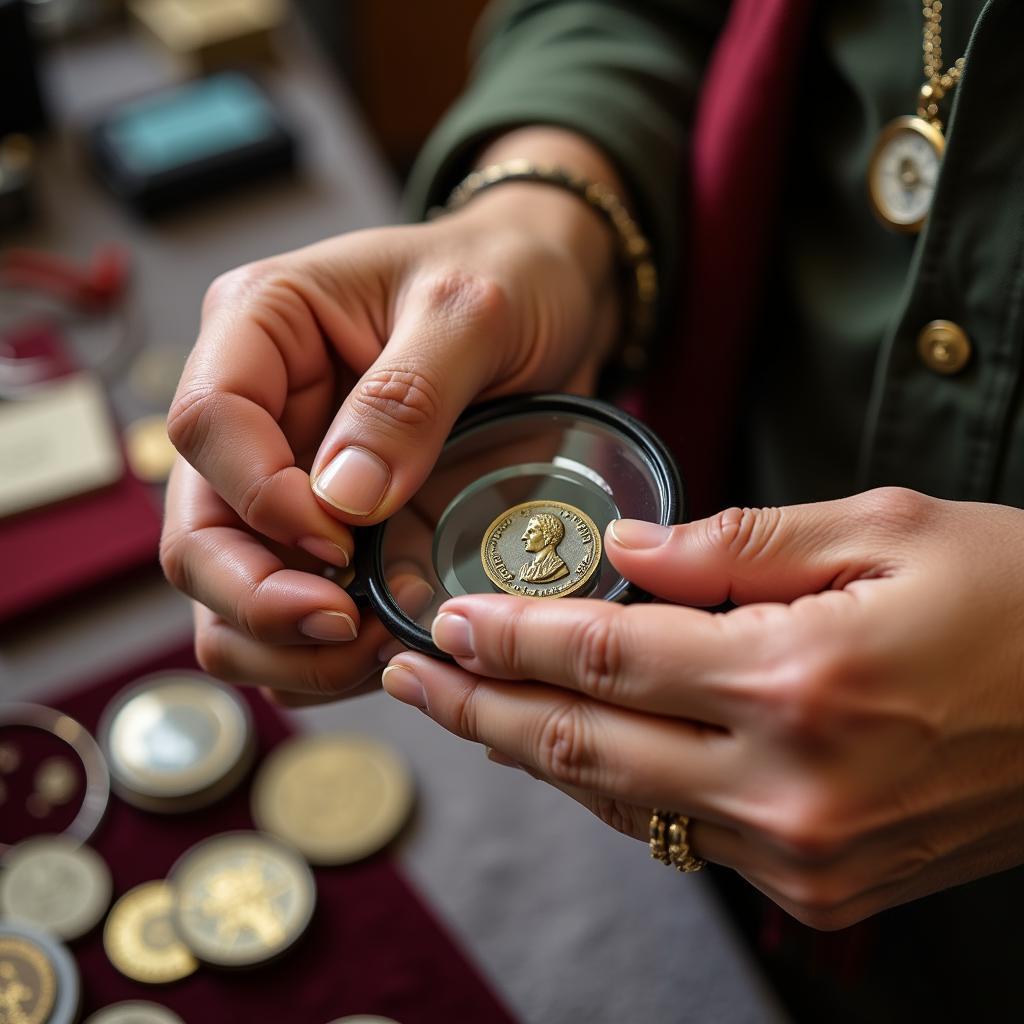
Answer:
(740, 131)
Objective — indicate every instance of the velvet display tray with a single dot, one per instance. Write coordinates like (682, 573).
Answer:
(373, 947)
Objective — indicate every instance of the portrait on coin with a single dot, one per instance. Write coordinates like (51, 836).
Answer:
(544, 532)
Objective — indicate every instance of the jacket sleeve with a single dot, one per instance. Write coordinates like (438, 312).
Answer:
(623, 73)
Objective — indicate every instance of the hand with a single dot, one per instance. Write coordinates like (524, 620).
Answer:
(348, 362)
(850, 738)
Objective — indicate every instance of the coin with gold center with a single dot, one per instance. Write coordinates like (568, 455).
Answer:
(140, 940)
(241, 898)
(28, 982)
(335, 798)
(541, 549)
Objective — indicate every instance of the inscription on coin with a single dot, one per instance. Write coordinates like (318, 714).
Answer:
(28, 983)
(541, 549)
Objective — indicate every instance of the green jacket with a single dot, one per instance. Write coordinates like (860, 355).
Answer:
(838, 399)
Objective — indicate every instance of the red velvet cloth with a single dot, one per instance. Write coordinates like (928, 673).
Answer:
(51, 552)
(740, 132)
(373, 945)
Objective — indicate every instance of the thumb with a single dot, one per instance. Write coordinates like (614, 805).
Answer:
(745, 555)
(388, 433)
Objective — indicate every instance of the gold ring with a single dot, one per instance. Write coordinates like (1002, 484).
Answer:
(670, 843)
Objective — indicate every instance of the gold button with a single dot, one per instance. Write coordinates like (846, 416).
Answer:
(944, 347)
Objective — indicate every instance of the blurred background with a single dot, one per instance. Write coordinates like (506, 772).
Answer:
(147, 146)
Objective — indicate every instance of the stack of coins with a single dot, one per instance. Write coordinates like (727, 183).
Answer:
(177, 741)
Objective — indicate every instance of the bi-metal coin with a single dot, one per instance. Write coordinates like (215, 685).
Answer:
(56, 884)
(541, 549)
(241, 898)
(39, 981)
(135, 1011)
(335, 798)
(177, 741)
(140, 940)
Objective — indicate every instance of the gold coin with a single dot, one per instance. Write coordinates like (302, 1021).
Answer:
(150, 452)
(241, 898)
(28, 982)
(335, 798)
(541, 549)
(135, 1011)
(140, 940)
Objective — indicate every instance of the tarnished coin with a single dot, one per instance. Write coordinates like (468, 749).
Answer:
(241, 898)
(140, 940)
(335, 798)
(150, 452)
(56, 884)
(541, 549)
(135, 1011)
(39, 982)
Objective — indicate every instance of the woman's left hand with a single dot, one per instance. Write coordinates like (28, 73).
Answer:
(851, 737)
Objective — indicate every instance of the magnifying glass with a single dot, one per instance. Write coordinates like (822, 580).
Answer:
(518, 502)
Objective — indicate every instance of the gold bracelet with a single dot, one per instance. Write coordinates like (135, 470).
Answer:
(633, 251)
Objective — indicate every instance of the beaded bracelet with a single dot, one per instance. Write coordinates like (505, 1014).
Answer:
(632, 248)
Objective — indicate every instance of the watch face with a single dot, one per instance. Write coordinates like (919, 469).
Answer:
(904, 172)
(518, 503)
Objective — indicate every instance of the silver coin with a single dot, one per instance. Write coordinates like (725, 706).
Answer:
(56, 884)
(541, 549)
(177, 741)
(135, 1011)
(241, 898)
(45, 970)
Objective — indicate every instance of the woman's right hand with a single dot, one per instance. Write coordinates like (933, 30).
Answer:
(346, 364)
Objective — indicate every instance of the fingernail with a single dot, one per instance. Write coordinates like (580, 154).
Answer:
(638, 535)
(453, 634)
(331, 626)
(326, 551)
(413, 595)
(354, 481)
(498, 758)
(402, 684)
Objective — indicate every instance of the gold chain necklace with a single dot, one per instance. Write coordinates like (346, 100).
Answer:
(904, 167)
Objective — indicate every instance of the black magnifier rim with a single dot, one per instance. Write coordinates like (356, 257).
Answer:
(370, 546)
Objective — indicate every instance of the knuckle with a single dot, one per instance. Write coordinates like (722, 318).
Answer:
(806, 698)
(174, 559)
(808, 828)
(211, 653)
(258, 494)
(618, 815)
(236, 284)
(898, 508)
(743, 533)
(563, 754)
(190, 419)
(398, 398)
(597, 654)
(317, 676)
(465, 296)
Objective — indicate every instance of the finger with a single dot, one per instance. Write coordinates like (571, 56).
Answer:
(390, 429)
(708, 841)
(206, 556)
(259, 346)
(322, 673)
(642, 759)
(656, 658)
(766, 554)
